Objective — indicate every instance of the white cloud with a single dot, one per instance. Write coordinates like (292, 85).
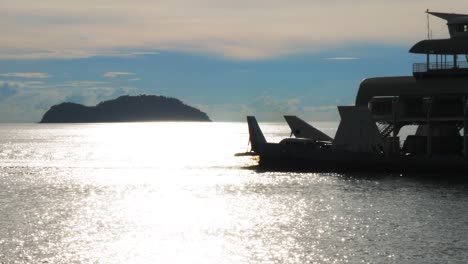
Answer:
(137, 53)
(319, 108)
(341, 58)
(31, 75)
(269, 109)
(84, 83)
(235, 29)
(27, 101)
(117, 74)
(224, 112)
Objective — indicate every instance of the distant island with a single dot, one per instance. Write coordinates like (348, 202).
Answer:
(125, 109)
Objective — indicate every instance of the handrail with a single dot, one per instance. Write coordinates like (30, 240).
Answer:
(442, 66)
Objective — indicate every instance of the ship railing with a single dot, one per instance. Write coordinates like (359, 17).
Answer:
(439, 66)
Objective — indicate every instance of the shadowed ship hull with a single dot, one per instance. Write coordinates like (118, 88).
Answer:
(284, 158)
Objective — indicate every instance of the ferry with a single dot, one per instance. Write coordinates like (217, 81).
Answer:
(434, 99)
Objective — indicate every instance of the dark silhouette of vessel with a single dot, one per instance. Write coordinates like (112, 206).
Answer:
(434, 98)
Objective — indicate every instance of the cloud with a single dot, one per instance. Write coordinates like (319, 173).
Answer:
(137, 53)
(117, 74)
(7, 90)
(84, 83)
(269, 108)
(235, 29)
(32, 75)
(341, 58)
(319, 108)
(67, 53)
(27, 101)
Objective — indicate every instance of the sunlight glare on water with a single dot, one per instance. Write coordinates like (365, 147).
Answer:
(175, 193)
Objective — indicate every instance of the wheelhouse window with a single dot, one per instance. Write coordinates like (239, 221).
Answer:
(461, 28)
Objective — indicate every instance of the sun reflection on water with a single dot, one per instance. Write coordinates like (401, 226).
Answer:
(174, 193)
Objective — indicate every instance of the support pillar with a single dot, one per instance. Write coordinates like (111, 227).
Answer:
(395, 142)
(465, 127)
(427, 62)
(429, 129)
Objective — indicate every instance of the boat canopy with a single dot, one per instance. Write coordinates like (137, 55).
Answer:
(409, 86)
(441, 46)
(451, 17)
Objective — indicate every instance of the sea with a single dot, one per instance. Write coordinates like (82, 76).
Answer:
(168, 192)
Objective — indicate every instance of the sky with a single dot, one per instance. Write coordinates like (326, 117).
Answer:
(229, 58)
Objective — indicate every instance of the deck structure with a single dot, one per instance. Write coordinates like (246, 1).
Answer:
(435, 98)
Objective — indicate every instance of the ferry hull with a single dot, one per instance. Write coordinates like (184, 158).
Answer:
(282, 158)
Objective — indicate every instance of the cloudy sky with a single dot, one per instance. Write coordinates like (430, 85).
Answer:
(229, 58)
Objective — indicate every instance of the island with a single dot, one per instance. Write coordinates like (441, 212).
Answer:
(141, 108)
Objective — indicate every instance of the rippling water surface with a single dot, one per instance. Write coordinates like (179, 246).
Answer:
(174, 193)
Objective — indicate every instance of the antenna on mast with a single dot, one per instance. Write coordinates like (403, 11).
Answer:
(428, 26)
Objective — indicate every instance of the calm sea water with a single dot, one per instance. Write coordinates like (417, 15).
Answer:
(174, 193)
